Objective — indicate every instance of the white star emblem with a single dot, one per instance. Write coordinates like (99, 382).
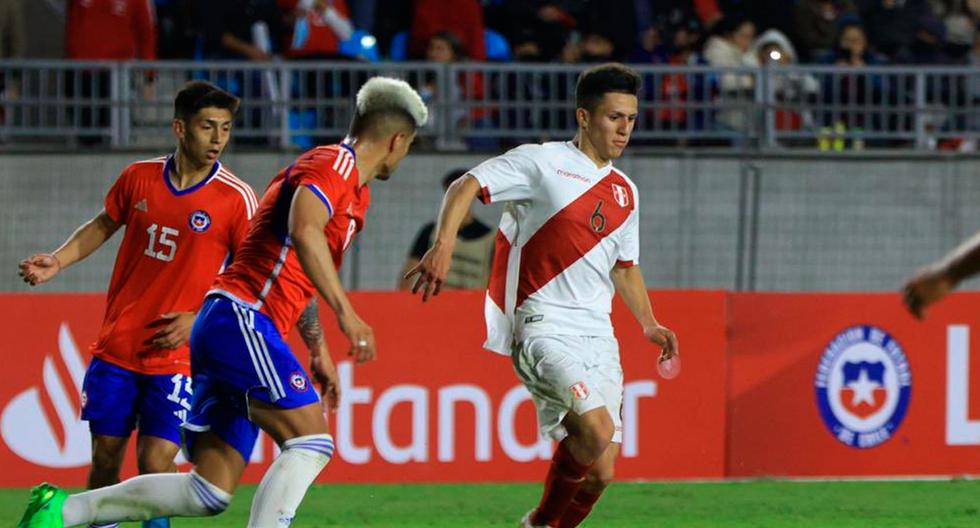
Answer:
(863, 389)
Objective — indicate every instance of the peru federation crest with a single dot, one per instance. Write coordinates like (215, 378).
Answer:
(863, 385)
(621, 196)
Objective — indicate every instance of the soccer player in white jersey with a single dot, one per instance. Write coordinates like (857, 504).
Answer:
(568, 238)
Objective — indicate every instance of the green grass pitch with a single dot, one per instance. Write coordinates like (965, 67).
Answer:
(756, 504)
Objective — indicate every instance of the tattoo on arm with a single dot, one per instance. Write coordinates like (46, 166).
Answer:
(309, 325)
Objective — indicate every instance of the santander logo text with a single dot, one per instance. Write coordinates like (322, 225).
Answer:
(42, 424)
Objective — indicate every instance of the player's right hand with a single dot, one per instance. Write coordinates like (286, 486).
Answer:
(927, 286)
(361, 336)
(39, 268)
(432, 270)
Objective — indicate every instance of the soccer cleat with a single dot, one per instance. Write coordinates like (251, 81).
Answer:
(159, 522)
(44, 509)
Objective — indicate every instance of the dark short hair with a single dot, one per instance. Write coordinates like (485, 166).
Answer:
(197, 95)
(452, 176)
(602, 79)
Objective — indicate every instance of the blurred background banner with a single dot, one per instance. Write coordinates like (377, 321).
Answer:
(777, 425)
(434, 406)
(849, 380)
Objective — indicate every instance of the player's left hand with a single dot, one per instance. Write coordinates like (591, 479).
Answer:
(39, 268)
(325, 375)
(664, 338)
(432, 270)
(174, 332)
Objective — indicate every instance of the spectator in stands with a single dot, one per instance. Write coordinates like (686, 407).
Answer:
(110, 29)
(853, 48)
(928, 45)
(12, 37)
(238, 29)
(464, 18)
(472, 255)
(791, 88)
(678, 91)
(960, 29)
(891, 24)
(817, 23)
(319, 28)
(105, 30)
(612, 22)
(547, 24)
(731, 48)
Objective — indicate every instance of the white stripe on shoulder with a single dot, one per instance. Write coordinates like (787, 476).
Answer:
(249, 206)
(236, 179)
(348, 166)
(339, 160)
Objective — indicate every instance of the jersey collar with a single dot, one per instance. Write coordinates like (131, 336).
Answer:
(177, 192)
(578, 152)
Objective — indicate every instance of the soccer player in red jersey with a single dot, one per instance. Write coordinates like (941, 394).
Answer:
(245, 376)
(185, 215)
(568, 239)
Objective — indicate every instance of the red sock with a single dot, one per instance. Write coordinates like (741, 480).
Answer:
(578, 509)
(560, 486)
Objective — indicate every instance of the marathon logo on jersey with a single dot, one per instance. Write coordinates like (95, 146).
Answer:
(620, 195)
(298, 381)
(200, 221)
(863, 386)
(580, 390)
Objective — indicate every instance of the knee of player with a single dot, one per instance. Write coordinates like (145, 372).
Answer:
(600, 477)
(600, 434)
(155, 464)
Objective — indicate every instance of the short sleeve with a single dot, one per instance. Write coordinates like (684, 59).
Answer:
(509, 177)
(629, 242)
(119, 197)
(328, 185)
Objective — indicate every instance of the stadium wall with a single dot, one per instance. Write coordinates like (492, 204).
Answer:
(787, 385)
(783, 223)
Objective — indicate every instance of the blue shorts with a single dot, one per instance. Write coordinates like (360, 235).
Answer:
(237, 354)
(116, 400)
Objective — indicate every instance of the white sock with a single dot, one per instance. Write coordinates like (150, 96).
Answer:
(145, 497)
(286, 481)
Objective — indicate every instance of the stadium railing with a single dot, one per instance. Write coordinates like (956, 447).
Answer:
(484, 106)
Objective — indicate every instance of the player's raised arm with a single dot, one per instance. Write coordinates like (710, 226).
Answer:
(934, 281)
(42, 267)
(307, 217)
(631, 287)
(434, 266)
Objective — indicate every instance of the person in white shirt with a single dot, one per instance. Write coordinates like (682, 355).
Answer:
(568, 239)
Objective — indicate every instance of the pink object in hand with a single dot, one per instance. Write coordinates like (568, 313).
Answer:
(669, 368)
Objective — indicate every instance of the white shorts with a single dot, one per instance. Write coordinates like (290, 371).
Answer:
(571, 373)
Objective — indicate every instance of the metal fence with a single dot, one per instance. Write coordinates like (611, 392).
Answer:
(486, 106)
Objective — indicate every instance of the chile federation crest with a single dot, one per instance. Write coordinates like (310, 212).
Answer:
(863, 386)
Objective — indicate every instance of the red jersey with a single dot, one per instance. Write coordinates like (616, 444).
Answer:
(176, 241)
(110, 29)
(266, 274)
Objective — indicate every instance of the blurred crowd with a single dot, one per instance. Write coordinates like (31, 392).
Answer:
(714, 32)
